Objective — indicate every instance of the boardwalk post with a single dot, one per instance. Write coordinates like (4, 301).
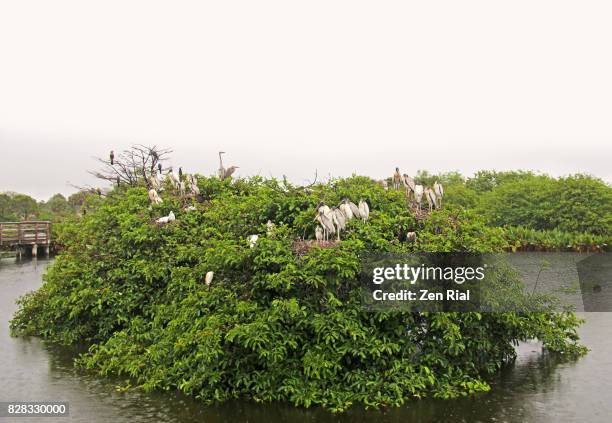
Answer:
(23, 235)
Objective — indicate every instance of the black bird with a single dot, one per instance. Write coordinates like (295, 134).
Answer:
(159, 167)
(112, 157)
(180, 173)
(118, 181)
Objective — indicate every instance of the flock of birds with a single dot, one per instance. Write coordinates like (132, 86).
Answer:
(330, 220)
(333, 220)
(415, 191)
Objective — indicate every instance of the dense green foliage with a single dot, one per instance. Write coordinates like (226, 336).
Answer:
(17, 207)
(274, 325)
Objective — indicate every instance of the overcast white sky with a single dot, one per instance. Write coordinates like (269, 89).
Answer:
(288, 87)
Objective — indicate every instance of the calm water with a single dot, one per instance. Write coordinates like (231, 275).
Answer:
(535, 388)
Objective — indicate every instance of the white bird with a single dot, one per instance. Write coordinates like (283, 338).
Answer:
(319, 233)
(346, 209)
(323, 208)
(154, 197)
(410, 185)
(354, 209)
(384, 184)
(339, 219)
(431, 198)
(170, 176)
(253, 240)
(223, 172)
(325, 220)
(418, 195)
(182, 188)
(439, 191)
(190, 208)
(209, 278)
(364, 210)
(166, 219)
(411, 237)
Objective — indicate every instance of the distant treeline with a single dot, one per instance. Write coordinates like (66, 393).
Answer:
(576, 203)
(15, 207)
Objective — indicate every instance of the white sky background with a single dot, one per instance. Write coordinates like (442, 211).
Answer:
(289, 87)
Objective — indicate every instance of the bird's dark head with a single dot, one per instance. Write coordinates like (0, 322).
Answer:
(397, 169)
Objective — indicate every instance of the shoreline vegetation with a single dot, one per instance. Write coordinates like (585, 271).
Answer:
(277, 324)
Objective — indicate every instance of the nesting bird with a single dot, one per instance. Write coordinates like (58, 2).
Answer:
(364, 210)
(209, 278)
(411, 237)
(418, 195)
(154, 197)
(166, 219)
(431, 198)
(439, 191)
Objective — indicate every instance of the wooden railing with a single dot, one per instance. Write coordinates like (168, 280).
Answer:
(25, 233)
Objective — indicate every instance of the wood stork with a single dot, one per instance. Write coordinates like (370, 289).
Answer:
(325, 220)
(354, 209)
(364, 210)
(112, 157)
(339, 220)
(209, 278)
(154, 197)
(344, 206)
(418, 195)
(166, 219)
(439, 191)
(411, 237)
(253, 240)
(410, 185)
(431, 198)
(319, 233)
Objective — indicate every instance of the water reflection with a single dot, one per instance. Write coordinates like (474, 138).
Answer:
(538, 387)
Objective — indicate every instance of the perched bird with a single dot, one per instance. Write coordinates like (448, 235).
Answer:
(209, 278)
(159, 168)
(344, 206)
(118, 181)
(354, 209)
(323, 208)
(364, 210)
(319, 233)
(192, 182)
(182, 188)
(418, 195)
(229, 171)
(439, 191)
(397, 179)
(154, 197)
(384, 184)
(112, 158)
(180, 173)
(431, 198)
(411, 237)
(339, 220)
(325, 220)
(166, 219)
(190, 208)
(410, 185)
(253, 240)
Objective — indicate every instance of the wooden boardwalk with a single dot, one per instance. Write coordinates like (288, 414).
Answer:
(21, 235)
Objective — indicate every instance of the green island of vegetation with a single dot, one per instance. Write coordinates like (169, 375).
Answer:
(282, 321)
